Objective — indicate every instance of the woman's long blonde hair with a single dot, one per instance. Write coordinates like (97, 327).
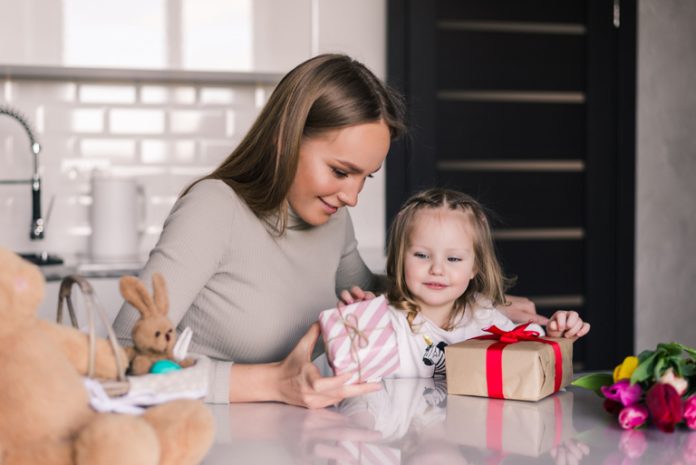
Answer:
(323, 93)
(488, 282)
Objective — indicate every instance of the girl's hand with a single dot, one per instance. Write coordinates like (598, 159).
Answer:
(566, 324)
(522, 310)
(300, 383)
(354, 294)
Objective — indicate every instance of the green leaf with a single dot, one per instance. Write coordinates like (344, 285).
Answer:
(645, 355)
(672, 348)
(688, 369)
(594, 381)
(645, 368)
(660, 366)
(689, 351)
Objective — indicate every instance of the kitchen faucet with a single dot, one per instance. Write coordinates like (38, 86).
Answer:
(37, 221)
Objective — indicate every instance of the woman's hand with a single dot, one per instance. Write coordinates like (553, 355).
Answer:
(565, 323)
(354, 294)
(522, 310)
(300, 383)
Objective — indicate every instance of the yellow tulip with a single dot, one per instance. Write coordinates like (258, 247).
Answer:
(626, 368)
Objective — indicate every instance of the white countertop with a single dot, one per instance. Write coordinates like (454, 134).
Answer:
(413, 421)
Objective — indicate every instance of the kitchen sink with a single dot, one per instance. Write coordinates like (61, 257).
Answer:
(42, 259)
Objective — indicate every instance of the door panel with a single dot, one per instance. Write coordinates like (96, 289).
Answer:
(524, 199)
(472, 59)
(507, 130)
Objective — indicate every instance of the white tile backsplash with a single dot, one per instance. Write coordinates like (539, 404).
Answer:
(166, 135)
(43, 91)
(153, 151)
(161, 94)
(215, 151)
(87, 120)
(102, 93)
(117, 150)
(200, 122)
(126, 121)
(217, 96)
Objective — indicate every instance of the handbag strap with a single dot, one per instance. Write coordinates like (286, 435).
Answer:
(91, 306)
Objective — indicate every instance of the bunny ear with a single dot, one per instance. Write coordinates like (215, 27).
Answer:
(159, 287)
(133, 290)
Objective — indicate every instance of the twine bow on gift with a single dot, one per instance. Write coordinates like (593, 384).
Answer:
(494, 355)
(358, 339)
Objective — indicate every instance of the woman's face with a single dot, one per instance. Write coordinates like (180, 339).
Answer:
(332, 169)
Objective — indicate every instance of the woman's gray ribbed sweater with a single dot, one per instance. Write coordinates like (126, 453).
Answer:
(247, 294)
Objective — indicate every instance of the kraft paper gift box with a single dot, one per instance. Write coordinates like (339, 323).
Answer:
(508, 426)
(360, 339)
(509, 365)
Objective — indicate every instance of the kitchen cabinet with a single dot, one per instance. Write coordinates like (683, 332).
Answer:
(221, 35)
(237, 36)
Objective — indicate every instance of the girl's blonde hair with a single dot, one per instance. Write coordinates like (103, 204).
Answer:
(323, 93)
(488, 282)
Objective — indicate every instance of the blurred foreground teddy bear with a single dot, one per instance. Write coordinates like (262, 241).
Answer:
(45, 417)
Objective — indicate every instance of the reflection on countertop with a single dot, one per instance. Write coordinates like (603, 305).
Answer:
(414, 421)
(90, 268)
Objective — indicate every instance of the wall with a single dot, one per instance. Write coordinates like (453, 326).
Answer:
(163, 134)
(666, 170)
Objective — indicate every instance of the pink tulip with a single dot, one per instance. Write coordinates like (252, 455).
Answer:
(665, 406)
(690, 412)
(633, 416)
(623, 391)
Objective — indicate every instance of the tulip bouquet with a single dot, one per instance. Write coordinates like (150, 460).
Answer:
(658, 386)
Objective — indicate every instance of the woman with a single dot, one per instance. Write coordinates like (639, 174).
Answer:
(255, 250)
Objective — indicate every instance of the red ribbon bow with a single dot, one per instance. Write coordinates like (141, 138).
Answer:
(520, 333)
(494, 356)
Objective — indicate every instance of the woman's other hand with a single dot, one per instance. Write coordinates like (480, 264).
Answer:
(300, 383)
(354, 294)
(522, 310)
(565, 323)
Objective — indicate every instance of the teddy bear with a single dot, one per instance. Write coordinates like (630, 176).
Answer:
(46, 417)
(153, 334)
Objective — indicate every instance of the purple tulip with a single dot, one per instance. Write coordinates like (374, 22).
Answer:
(633, 416)
(623, 391)
(690, 412)
(612, 407)
(665, 406)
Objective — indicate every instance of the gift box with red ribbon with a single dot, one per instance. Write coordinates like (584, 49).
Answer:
(360, 339)
(515, 364)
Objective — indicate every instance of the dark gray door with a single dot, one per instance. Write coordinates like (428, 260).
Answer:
(529, 106)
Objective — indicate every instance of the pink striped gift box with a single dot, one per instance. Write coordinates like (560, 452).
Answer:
(360, 339)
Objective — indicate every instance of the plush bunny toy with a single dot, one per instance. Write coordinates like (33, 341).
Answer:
(45, 415)
(154, 335)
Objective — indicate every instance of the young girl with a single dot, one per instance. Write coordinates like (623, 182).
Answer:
(445, 282)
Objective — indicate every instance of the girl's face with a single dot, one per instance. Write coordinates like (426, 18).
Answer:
(440, 260)
(332, 169)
